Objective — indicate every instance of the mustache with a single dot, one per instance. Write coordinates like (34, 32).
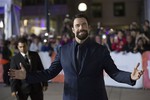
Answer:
(83, 31)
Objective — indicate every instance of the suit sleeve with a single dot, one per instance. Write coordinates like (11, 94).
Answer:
(14, 82)
(112, 70)
(47, 74)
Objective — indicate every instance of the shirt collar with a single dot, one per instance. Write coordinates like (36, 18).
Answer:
(23, 54)
(85, 43)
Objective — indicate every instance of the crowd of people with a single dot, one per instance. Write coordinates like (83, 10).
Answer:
(134, 39)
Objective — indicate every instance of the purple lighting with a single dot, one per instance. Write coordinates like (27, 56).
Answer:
(42, 23)
(1, 10)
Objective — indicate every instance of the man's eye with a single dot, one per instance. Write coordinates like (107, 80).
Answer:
(77, 25)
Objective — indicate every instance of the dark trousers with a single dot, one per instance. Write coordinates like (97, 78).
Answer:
(38, 95)
(6, 78)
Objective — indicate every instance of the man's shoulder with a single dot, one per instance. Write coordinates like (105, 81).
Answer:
(97, 45)
(16, 56)
(70, 44)
(32, 52)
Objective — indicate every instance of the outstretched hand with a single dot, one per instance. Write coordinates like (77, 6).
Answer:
(17, 74)
(136, 74)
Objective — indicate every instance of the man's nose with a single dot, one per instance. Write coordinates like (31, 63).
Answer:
(81, 27)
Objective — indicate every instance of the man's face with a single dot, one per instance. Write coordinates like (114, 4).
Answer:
(22, 47)
(80, 28)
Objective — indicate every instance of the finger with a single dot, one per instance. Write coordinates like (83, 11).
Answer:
(11, 74)
(137, 66)
(141, 72)
(139, 75)
(12, 77)
(22, 68)
(20, 64)
(12, 70)
(136, 69)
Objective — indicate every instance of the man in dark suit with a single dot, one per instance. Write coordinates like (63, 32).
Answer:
(32, 63)
(83, 62)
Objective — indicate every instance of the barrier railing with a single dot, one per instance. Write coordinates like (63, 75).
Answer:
(125, 62)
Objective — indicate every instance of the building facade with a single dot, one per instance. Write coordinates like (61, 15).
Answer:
(110, 13)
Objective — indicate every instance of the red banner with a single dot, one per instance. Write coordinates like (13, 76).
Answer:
(1, 70)
(146, 67)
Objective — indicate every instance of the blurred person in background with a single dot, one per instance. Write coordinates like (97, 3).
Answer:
(46, 46)
(105, 43)
(65, 39)
(145, 39)
(128, 47)
(6, 55)
(13, 46)
(66, 28)
(98, 39)
(146, 29)
(139, 46)
(56, 45)
(119, 42)
(36, 44)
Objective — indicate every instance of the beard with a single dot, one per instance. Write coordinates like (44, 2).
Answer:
(83, 34)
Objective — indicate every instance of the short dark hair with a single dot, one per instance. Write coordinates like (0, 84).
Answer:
(22, 40)
(81, 15)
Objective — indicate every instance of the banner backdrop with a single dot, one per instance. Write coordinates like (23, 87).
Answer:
(146, 67)
(46, 59)
(1, 73)
(126, 62)
(1, 70)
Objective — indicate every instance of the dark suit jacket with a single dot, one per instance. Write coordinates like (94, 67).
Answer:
(35, 65)
(88, 84)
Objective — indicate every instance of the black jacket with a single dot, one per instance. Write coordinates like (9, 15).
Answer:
(34, 66)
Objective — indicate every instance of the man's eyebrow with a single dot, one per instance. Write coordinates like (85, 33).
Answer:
(77, 24)
(84, 23)
(81, 23)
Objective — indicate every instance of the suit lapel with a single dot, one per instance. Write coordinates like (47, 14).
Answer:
(30, 57)
(22, 59)
(26, 66)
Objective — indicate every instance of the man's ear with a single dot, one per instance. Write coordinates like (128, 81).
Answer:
(17, 47)
(89, 27)
(73, 30)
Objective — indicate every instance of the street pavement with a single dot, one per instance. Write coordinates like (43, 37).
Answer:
(55, 91)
